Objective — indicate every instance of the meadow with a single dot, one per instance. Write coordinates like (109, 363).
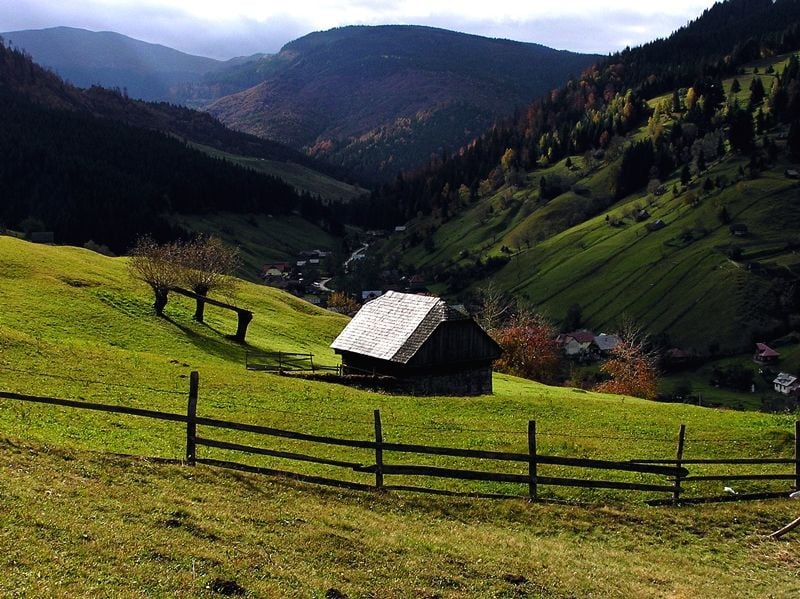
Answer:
(100, 504)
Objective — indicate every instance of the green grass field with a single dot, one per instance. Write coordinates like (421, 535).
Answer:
(80, 521)
(298, 176)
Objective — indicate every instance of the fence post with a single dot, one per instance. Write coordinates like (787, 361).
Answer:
(797, 455)
(378, 451)
(676, 494)
(191, 415)
(532, 465)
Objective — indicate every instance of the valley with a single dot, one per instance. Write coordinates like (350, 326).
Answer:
(620, 228)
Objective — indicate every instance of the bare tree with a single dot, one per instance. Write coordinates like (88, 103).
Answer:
(156, 265)
(206, 265)
(494, 307)
(632, 365)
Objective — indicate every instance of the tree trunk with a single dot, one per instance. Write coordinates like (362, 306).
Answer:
(245, 316)
(199, 312)
(160, 301)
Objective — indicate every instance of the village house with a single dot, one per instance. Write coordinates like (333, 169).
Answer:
(370, 294)
(786, 383)
(739, 230)
(604, 343)
(422, 342)
(576, 343)
(278, 269)
(765, 354)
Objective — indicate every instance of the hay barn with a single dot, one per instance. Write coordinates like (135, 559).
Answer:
(420, 340)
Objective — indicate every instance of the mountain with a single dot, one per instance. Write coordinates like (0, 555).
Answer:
(659, 185)
(52, 91)
(85, 58)
(143, 70)
(377, 100)
(94, 165)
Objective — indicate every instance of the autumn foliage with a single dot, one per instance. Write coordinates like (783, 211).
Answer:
(529, 348)
(343, 303)
(632, 368)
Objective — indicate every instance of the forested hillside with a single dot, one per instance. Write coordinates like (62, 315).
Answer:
(606, 101)
(67, 170)
(560, 205)
(377, 100)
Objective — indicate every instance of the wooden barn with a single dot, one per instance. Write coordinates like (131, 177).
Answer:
(420, 340)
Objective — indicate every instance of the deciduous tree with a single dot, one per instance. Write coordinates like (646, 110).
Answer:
(343, 303)
(157, 265)
(529, 348)
(632, 367)
(207, 264)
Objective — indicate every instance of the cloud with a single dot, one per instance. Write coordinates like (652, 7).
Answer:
(239, 27)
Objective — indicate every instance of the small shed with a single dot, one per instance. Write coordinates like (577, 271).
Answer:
(431, 347)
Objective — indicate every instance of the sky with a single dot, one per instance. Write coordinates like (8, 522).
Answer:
(226, 28)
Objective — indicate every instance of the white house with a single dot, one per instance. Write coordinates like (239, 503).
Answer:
(786, 383)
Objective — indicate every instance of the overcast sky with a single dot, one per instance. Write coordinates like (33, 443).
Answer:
(226, 28)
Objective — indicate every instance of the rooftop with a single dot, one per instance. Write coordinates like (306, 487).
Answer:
(394, 326)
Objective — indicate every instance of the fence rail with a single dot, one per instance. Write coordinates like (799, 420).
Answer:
(281, 362)
(672, 472)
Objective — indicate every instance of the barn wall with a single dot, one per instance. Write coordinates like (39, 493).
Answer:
(469, 379)
(456, 342)
(477, 381)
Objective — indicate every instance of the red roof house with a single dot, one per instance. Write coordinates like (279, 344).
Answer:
(765, 354)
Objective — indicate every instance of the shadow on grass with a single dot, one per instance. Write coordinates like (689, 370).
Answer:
(222, 347)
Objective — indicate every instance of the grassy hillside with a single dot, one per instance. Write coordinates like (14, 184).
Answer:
(74, 325)
(261, 238)
(299, 176)
(680, 280)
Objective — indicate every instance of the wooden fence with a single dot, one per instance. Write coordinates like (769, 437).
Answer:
(670, 475)
(281, 362)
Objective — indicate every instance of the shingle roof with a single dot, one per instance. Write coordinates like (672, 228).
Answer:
(394, 326)
(785, 379)
(606, 342)
(581, 336)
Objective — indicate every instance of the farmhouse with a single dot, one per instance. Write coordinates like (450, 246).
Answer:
(606, 343)
(786, 383)
(278, 269)
(765, 354)
(577, 342)
(420, 340)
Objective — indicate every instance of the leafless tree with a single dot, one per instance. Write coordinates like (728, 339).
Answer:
(206, 265)
(157, 265)
(495, 306)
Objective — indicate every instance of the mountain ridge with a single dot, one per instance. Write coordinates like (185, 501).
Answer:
(145, 70)
(355, 91)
